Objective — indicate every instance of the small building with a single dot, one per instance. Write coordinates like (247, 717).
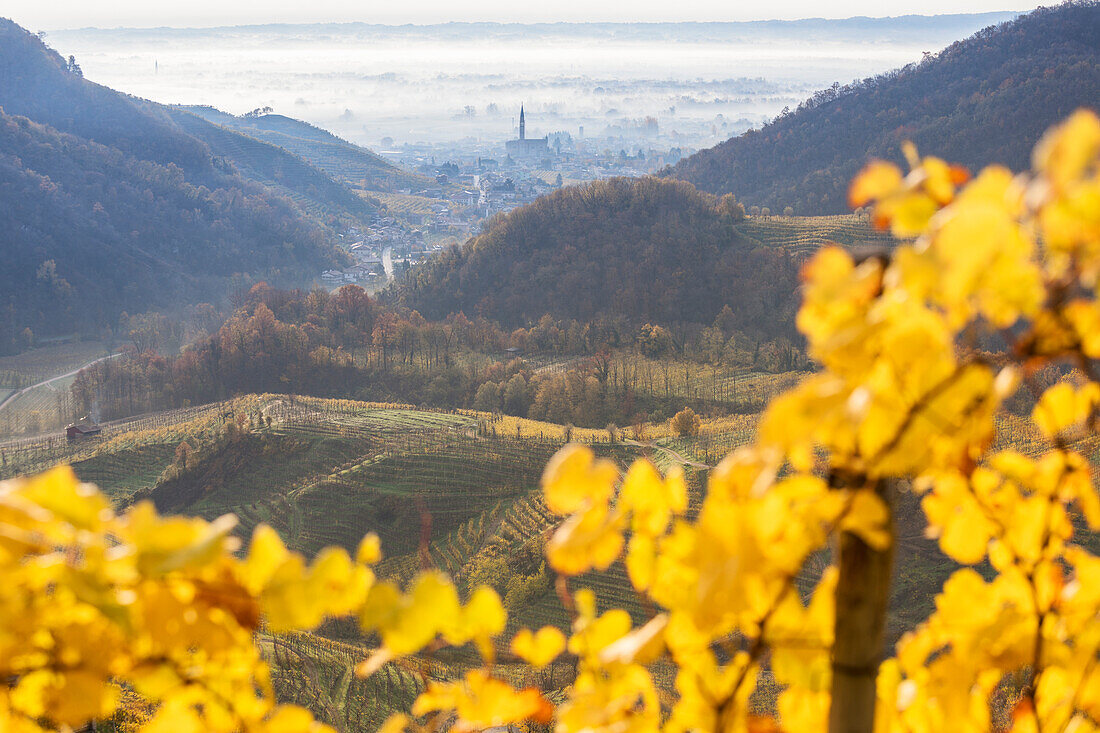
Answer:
(82, 429)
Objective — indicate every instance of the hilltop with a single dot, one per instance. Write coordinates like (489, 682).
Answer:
(345, 161)
(983, 100)
(639, 250)
(110, 206)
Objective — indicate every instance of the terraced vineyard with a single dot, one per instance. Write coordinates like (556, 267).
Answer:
(802, 235)
(440, 488)
(198, 424)
(45, 407)
(44, 362)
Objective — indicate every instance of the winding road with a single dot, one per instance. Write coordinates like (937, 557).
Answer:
(17, 394)
(387, 262)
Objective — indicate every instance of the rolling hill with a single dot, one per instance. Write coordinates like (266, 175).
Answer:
(308, 186)
(339, 158)
(643, 250)
(983, 100)
(110, 206)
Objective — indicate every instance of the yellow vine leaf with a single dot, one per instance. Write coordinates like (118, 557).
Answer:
(590, 539)
(538, 648)
(408, 623)
(1067, 151)
(651, 499)
(370, 550)
(396, 723)
(480, 701)
(482, 618)
(575, 479)
(869, 517)
(877, 181)
(643, 645)
(1064, 408)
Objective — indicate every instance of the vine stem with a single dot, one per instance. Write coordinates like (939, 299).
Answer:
(862, 599)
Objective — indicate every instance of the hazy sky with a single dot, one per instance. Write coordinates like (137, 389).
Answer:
(58, 14)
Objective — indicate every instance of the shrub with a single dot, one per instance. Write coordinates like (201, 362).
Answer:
(685, 423)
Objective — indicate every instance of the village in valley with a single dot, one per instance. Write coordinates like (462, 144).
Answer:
(475, 181)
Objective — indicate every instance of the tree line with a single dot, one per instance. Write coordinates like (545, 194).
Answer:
(347, 344)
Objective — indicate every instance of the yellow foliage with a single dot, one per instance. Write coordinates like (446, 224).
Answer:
(538, 648)
(91, 598)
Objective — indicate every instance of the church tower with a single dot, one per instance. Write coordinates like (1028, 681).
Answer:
(522, 125)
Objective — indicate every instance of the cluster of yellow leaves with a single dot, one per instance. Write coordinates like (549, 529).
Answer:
(167, 608)
(903, 394)
(91, 599)
(724, 582)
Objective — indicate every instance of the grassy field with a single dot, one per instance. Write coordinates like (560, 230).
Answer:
(401, 203)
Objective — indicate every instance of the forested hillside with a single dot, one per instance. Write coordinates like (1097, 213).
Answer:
(311, 188)
(339, 158)
(109, 206)
(647, 250)
(982, 100)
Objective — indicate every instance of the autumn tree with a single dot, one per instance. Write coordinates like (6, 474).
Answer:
(685, 423)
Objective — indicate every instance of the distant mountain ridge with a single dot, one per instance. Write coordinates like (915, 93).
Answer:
(353, 164)
(916, 26)
(982, 100)
(109, 205)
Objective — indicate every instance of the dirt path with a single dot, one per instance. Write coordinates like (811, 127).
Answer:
(679, 458)
(17, 394)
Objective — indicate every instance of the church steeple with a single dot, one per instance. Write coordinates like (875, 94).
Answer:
(522, 125)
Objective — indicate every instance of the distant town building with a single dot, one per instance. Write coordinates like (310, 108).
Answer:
(524, 147)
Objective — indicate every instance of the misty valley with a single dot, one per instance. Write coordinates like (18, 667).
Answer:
(551, 376)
